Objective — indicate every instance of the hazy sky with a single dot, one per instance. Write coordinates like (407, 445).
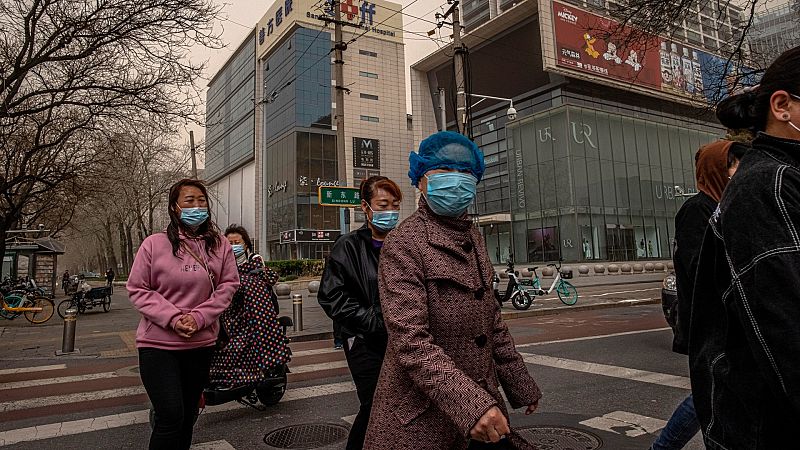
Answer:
(243, 15)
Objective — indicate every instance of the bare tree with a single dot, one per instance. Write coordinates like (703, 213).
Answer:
(73, 73)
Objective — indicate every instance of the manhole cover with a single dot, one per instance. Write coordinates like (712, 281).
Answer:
(308, 436)
(559, 438)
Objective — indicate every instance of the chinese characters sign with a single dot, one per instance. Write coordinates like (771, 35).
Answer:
(583, 43)
(339, 196)
(366, 153)
(292, 236)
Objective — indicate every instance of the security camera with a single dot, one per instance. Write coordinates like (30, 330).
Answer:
(511, 113)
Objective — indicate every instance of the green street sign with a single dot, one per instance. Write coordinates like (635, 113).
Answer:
(339, 196)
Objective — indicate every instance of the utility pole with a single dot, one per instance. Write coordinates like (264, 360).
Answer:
(458, 62)
(338, 69)
(194, 154)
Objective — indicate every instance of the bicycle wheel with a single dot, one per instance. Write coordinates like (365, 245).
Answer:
(567, 293)
(39, 317)
(12, 301)
(63, 306)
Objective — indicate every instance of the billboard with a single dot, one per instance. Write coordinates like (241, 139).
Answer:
(600, 47)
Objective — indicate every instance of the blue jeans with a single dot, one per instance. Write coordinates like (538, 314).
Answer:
(680, 429)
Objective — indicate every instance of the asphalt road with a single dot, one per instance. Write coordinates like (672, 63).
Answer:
(608, 376)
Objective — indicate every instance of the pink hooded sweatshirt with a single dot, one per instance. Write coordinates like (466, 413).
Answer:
(164, 287)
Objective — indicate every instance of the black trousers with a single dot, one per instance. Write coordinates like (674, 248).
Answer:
(502, 445)
(174, 380)
(365, 358)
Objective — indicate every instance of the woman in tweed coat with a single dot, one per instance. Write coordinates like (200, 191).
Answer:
(449, 350)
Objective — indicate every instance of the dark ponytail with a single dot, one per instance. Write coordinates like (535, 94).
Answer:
(750, 110)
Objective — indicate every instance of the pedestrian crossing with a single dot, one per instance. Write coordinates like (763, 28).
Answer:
(41, 394)
(51, 401)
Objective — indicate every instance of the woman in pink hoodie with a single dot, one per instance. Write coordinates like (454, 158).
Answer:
(181, 281)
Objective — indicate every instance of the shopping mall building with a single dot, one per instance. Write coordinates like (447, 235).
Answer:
(270, 138)
(601, 152)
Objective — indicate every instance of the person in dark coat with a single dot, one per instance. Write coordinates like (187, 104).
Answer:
(744, 340)
(253, 341)
(715, 164)
(349, 294)
(449, 349)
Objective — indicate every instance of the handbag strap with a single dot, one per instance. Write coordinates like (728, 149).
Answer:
(202, 263)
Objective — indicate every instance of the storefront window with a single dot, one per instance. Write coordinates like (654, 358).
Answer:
(588, 185)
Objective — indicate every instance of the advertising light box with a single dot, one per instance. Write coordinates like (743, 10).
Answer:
(589, 44)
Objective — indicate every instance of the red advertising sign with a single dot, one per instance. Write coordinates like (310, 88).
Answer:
(599, 46)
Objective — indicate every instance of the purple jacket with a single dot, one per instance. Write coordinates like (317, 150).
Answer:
(164, 287)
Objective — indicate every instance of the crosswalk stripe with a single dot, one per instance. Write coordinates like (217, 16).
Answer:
(53, 430)
(626, 373)
(59, 380)
(66, 399)
(314, 352)
(619, 422)
(32, 369)
(317, 367)
(215, 445)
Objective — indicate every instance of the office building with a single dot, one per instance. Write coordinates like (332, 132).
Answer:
(601, 152)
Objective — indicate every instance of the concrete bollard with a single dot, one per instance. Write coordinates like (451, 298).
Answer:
(297, 311)
(283, 290)
(613, 269)
(548, 272)
(649, 267)
(638, 268)
(313, 287)
(599, 269)
(660, 267)
(583, 270)
(626, 269)
(68, 337)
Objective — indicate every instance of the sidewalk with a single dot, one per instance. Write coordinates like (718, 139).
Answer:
(112, 335)
(317, 325)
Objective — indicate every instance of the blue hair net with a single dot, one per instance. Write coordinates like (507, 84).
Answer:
(446, 150)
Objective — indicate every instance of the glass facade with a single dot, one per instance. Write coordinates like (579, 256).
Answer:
(300, 147)
(590, 185)
(230, 110)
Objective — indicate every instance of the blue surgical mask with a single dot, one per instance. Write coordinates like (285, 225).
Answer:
(450, 193)
(238, 249)
(194, 216)
(384, 220)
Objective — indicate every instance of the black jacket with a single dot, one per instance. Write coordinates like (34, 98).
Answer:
(744, 346)
(349, 288)
(690, 226)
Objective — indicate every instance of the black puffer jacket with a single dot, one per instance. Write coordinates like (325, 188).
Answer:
(745, 339)
(349, 288)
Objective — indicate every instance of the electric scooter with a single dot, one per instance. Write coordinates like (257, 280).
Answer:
(514, 291)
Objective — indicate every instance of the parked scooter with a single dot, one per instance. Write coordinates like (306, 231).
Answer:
(514, 291)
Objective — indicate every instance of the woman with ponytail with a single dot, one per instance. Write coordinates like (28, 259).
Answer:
(744, 340)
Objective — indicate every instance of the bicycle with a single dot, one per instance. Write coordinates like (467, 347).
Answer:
(37, 310)
(567, 293)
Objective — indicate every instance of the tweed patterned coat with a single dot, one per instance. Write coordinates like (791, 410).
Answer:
(449, 350)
